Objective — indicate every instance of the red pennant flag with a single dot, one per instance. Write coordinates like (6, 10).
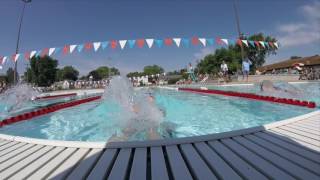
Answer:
(13, 57)
(140, 43)
(257, 44)
(219, 41)
(27, 56)
(271, 44)
(88, 46)
(44, 52)
(168, 41)
(195, 41)
(66, 49)
(1, 59)
(239, 42)
(114, 44)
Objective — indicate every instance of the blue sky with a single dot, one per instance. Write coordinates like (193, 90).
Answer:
(54, 23)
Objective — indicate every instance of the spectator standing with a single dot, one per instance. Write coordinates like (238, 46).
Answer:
(246, 68)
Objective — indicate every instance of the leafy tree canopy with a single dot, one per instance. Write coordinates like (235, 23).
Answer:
(10, 76)
(147, 70)
(103, 72)
(67, 73)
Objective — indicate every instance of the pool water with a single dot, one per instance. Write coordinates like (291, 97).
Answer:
(188, 114)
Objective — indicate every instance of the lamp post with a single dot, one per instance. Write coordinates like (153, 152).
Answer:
(235, 3)
(15, 78)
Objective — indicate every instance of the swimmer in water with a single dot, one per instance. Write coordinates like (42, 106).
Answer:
(268, 86)
(130, 130)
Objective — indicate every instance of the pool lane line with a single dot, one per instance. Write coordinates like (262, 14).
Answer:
(46, 110)
(253, 96)
(56, 96)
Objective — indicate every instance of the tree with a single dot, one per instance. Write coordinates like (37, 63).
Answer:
(154, 69)
(10, 76)
(42, 71)
(103, 72)
(295, 57)
(67, 73)
(114, 71)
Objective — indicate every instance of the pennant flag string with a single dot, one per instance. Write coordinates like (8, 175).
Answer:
(140, 43)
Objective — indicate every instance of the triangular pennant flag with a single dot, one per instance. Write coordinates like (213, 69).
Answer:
(186, 42)
(203, 41)
(210, 41)
(245, 42)
(177, 41)
(15, 57)
(104, 44)
(140, 43)
(27, 55)
(96, 46)
(232, 42)
(195, 41)
(271, 44)
(219, 41)
(239, 42)
(51, 51)
(80, 47)
(150, 42)
(122, 43)
(72, 48)
(44, 52)
(168, 41)
(1, 67)
(159, 42)
(262, 44)
(257, 44)
(66, 49)
(1, 58)
(4, 59)
(114, 44)
(131, 43)
(276, 45)
(225, 41)
(88, 46)
(32, 54)
(252, 43)
(266, 44)
(38, 53)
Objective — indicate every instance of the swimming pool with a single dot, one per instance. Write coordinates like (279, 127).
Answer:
(187, 114)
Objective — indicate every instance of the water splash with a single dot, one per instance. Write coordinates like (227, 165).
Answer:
(16, 98)
(136, 110)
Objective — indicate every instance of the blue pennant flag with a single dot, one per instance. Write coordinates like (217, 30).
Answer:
(186, 42)
(266, 44)
(210, 41)
(104, 44)
(131, 43)
(252, 43)
(38, 53)
(57, 50)
(80, 47)
(159, 42)
(232, 42)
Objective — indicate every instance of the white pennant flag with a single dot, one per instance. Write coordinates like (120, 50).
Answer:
(262, 44)
(4, 59)
(177, 41)
(276, 44)
(203, 41)
(245, 42)
(96, 45)
(16, 57)
(225, 41)
(32, 54)
(122, 43)
(0, 67)
(72, 48)
(150, 42)
(51, 51)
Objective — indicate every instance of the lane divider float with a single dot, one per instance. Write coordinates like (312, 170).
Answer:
(56, 96)
(294, 102)
(46, 110)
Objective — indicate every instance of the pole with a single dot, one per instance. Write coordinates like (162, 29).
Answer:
(238, 25)
(15, 78)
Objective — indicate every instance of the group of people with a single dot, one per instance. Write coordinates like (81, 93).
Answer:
(224, 70)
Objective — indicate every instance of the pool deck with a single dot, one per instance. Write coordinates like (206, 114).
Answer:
(288, 149)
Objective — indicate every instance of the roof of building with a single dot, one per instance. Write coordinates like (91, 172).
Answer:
(311, 60)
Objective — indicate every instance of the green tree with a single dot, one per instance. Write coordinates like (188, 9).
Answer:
(114, 71)
(154, 69)
(10, 76)
(42, 71)
(103, 72)
(67, 73)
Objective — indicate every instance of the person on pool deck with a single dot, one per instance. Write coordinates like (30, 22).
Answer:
(246, 68)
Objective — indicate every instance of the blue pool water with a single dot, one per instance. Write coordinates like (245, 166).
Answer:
(187, 114)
